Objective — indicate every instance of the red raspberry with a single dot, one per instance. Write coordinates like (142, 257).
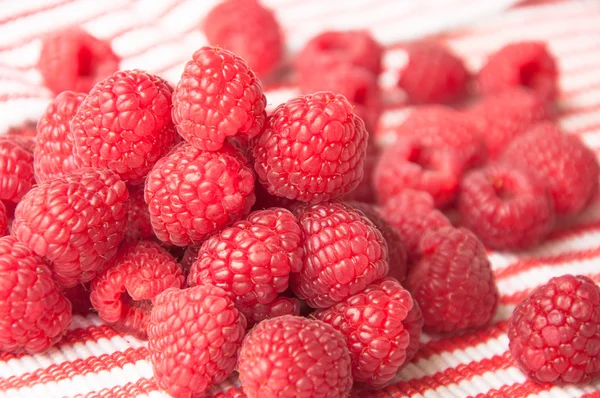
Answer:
(79, 297)
(53, 153)
(527, 64)
(217, 97)
(193, 338)
(382, 326)
(290, 356)
(124, 292)
(76, 221)
(192, 193)
(312, 149)
(502, 117)
(453, 282)
(365, 191)
(410, 164)
(33, 313)
(332, 48)
(249, 30)
(554, 333)
(139, 226)
(24, 135)
(251, 260)
(506, 207)
(125, 124)
(3, 220)
(16, 170)
(412, 214)
(396, 251)
(256, 313)
(433, 74)
(344, 253)
(441, 127)
(568, 167)
(72, 59)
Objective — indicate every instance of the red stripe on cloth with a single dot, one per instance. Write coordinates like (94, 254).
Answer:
(141, 386)
(33, 11)
(516, 390)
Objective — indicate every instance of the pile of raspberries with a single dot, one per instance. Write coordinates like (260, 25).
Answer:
(288, 246)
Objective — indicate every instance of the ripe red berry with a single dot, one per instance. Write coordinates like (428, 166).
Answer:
(256, 313)
(3, 220)
(253, 259)
(554, 333)
(193, 338)
(382, 325)
(217, 97)
(527, 64)
(33, 312)
(453, 282)
(249, 30)
(16, 170)
(193, 193)
(53, 153)
(506, 207)
(562, 161)
(72, 59)
(75, 221)
(123, 293)
(312, 149)
(139, 226)
(410, 164)
(433, 74)
(344, 253)
(290, 356)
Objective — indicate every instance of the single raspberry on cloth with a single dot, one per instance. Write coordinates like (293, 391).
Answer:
(218, 96)
(72, 59)
(291, 356)
(16, 170)
(560, 160)
(433, 74)
(312, 148)
(193, 193)
(53, 153)
(75, 221)
(123, 293)
(506, 207)
(453, 282)
(33, 312)
(501, 117)
(528, 64)
(249, 30)
(554, 334)
(252, 260)
(344, 252)
(139, 226)
(256, 313)
(382, 325)
(193, 338)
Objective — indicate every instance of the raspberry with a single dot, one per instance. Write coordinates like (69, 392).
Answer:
(33, 313)
(312, 149)
(123, 293)
(410, 164)
(344, 253)
(251, 260)
(382, 326)
(505, 207)
(441, 127)
(256, 313)
(249, 30)
(72, 59)
(53, 153)
(504, 116)
(290, 356)
(554, 334)
(364, 192)
(217, 97)
(453, 282)
(193, 338)
(3, 220)
(433, 74)
(568, 167)
(79, 297)
(139, 226)
(527, 64)
(75, 221)
(192, 193)
(16, 170)
(24, 135)
(412, 214)
(396, 251)
(332, 48)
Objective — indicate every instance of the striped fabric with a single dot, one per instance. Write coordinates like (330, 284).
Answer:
(92, 360)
